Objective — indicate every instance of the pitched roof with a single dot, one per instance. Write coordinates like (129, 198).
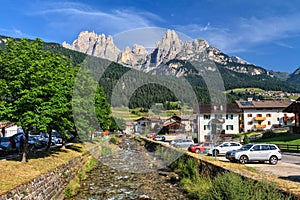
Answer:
(293, 107)
(270, 104)
(223, 108)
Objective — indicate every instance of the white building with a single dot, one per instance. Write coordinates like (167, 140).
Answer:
(264, 114)
(8, 129)
(146, 124)
(224, 117)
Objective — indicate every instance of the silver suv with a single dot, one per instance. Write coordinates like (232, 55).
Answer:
(182, 143)
(255, 152)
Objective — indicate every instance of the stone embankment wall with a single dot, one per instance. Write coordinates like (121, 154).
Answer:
(49, 185)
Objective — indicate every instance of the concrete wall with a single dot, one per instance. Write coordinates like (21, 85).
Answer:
(49, 185)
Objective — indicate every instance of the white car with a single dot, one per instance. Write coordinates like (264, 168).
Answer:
(223, 148)
(256, 152)
(182, 143)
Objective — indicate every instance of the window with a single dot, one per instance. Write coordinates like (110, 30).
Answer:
(225, 145)
(256, 148)
(259, 115)
(229, 127)
(269, 123)
(218, 116)
(272, 147)
(206, 116)
(229, 116)
(268, 115)
(234, 144)
(206, 127)
(249, 115)
(250, 123)
(219, 127)
(265, 147)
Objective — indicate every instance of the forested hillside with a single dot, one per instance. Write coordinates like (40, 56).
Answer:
(143, 90)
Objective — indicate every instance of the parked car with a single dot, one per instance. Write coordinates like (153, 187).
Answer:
(54, 139)
(201, 147)
(7, 145)
(182, 143)
(223, 148)
(151, 135)
(159, 138)
(36, 142)
(255, 152)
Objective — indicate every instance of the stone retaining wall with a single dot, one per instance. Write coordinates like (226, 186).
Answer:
(49, 185)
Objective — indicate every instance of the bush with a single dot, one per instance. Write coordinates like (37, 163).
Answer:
(246, 139)
(115, 140)
(268, 134)
(231, 186)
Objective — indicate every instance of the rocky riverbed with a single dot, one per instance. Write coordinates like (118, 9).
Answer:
(132, 173)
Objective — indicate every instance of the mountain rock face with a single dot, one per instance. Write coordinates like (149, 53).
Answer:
(157, 61)
(96, 45)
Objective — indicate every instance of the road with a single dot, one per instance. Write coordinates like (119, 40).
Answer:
(288, 168)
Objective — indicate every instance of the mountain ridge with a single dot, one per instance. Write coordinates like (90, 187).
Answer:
(170, 47)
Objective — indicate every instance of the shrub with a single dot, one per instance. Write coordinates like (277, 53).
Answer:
(229, 185)
(268, 134)
(246, 139)
(105, 150)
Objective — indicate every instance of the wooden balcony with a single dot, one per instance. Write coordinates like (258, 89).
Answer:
(260, 126)
(288, 119)
(259, 118)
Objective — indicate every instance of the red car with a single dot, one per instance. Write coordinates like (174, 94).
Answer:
(151, 135)
(201, 147)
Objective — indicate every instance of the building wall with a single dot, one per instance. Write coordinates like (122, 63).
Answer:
(269, 117)
(11, 131)
(187, 125)
(230, 125)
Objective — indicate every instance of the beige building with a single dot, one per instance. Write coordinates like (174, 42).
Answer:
(264, 114)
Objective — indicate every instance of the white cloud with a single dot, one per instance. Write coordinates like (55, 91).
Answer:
(75, 17)
(244, 33)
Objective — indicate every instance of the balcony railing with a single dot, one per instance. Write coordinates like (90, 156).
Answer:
(259, 118)
(260, 126)
(288, 119)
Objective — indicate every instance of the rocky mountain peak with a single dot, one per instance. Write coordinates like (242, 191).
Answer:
(169, 48)
(96, 45)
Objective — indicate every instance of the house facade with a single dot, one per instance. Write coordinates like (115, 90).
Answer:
(262, 115)
(217, 119)
(144, 124)
(8, 129)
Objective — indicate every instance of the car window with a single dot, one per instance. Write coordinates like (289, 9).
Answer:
(256, 148)
(265, 147)
(272, 147)
(234, 144)
(225, 145)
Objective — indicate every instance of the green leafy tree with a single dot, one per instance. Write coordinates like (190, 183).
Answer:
(36, 89)
(90, 108)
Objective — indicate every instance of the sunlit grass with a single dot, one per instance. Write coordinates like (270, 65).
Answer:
(14, 172)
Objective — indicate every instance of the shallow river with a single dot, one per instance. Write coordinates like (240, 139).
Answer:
(132, 173)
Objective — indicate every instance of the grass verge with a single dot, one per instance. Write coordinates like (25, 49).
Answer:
(14, 173)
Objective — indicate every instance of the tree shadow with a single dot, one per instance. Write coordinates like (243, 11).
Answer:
(291, 178)
(42, 153)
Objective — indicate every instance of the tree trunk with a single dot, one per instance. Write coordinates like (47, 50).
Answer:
(49, 142)
(25, 149)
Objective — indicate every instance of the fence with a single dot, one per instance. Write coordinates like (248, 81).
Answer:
(289, 147)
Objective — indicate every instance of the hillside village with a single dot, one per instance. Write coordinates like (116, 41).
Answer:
(229, 119)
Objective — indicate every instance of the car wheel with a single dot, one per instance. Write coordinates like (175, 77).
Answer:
(197, 150)
(215, 153)
(273, 160)
(243, 159)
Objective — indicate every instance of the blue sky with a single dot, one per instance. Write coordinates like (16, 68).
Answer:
(263, 32)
